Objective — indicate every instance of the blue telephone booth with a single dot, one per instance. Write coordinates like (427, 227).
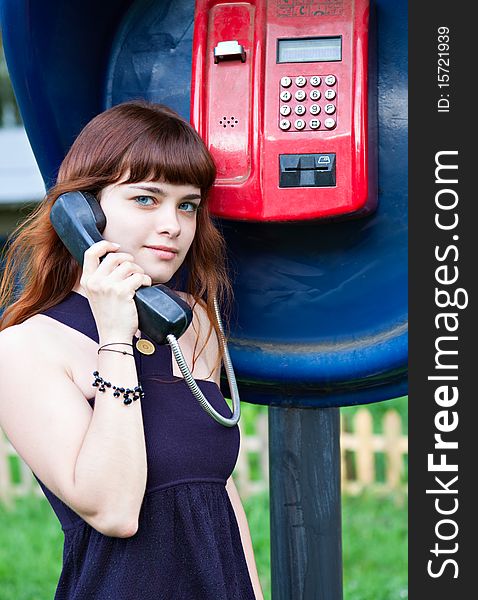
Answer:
(320, 314)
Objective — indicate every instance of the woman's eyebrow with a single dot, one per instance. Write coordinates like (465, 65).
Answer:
(156, 190)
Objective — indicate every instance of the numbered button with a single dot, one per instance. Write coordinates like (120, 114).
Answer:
(330, 94)
(284, 124)
(285, 110)
(285, 81)
(300, 109)
(315, 81)
(300, 95)
(285, 96)
(329, 109)
(314, 123)
(314, 95)
(299, 124)
(314, 109)
(300, 81)
(329, 123)
(330, 80)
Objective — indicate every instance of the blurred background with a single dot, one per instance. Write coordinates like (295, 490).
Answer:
(374, 453)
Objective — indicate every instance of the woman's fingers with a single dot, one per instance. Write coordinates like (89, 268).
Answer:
(116, 267)
(92, 256)
(133, 283)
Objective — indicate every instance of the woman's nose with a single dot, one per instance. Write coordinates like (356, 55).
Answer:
(168, 222)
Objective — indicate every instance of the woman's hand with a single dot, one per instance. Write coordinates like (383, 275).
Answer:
(110, 285)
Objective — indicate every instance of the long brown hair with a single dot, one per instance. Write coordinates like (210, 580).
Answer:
(148, 142)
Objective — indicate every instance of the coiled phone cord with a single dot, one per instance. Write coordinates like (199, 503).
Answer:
(193, 386)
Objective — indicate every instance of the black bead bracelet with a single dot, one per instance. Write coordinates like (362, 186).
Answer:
(101, 384)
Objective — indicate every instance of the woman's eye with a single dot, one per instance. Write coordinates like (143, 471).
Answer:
(188, 206)
(139, 200)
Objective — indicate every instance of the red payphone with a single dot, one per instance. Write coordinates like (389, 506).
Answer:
(283, 95)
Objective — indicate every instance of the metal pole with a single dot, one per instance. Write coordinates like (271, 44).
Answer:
(306, 532)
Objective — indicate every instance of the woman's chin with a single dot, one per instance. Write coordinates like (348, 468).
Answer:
(163, 278)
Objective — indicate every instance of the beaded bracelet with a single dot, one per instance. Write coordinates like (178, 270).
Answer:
(101, 384)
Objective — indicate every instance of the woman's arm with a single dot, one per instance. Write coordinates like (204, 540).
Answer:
(245, 536)
(94, 461)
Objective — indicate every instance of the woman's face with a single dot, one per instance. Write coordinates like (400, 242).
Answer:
(152, 220)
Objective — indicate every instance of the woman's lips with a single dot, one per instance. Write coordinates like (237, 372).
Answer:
(163, 254)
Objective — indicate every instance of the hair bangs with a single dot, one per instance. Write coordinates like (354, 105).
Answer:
(172, 152)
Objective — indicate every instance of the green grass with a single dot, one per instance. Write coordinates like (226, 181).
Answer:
(374, 543)
(30, 550)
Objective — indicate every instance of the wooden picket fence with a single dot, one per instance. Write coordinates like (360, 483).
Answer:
(360, 449)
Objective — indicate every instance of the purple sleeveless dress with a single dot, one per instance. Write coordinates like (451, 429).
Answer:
(188, 545)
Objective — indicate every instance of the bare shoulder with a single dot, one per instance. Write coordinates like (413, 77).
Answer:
(24, 335)
(39, 338)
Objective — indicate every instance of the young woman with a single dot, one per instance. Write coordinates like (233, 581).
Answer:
(143, 490)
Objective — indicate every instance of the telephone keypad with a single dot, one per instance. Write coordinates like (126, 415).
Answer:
(304, 96)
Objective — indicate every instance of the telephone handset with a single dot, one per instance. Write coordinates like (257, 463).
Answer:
(78, 219)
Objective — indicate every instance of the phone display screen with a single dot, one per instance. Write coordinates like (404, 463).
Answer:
(322, 49)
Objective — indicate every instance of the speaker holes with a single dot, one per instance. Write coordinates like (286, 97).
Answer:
(228, 121)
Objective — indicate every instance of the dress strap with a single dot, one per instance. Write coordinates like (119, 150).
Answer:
(75, 311)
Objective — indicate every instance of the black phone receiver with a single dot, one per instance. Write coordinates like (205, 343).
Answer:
(78, 219)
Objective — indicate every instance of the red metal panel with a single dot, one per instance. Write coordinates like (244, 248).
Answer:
(236, 107)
